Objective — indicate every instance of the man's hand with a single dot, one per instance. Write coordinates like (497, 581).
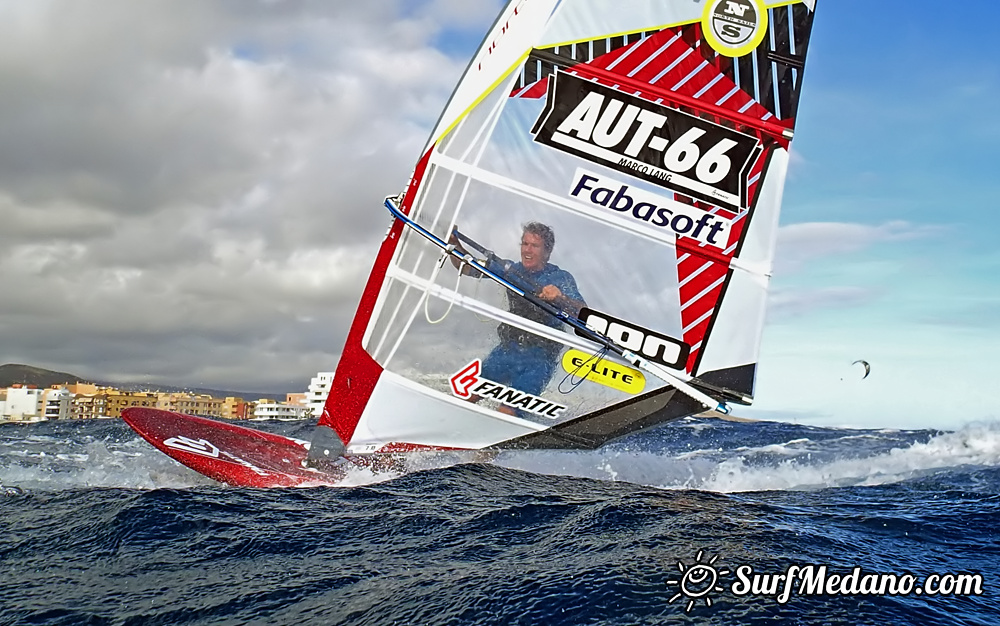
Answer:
(549, 293)
(453, 241)
(552, 294)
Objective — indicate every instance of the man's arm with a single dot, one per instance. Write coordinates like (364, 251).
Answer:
(492, 262)
(462, 267)
(567, 297)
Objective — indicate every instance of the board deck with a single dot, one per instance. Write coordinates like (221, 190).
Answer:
(235, 455)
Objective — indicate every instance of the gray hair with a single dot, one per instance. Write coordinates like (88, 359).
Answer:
(545, 233)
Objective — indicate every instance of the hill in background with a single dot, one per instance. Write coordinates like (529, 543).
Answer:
(14, 373)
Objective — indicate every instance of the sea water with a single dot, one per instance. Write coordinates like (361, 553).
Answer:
(691, 523)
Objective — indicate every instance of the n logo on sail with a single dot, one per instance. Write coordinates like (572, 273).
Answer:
(734, 27)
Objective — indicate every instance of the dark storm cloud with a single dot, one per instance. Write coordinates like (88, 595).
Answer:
(190, 191)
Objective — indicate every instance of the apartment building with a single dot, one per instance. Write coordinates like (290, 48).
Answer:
(319, 389)
(24, 404)
(271, 409)
(89, 401)
(236, 408)
(57, 404)
(117, 401)
(191, 404)
(90, 406)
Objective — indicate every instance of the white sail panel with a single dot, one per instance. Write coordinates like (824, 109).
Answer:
(589, 19)
(516, 30)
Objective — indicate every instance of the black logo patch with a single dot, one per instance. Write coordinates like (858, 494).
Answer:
(734, 22)
(646, 343)
(648, 141)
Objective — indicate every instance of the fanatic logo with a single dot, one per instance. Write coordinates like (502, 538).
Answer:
(202, 447)
(463, 381)
(467, 384)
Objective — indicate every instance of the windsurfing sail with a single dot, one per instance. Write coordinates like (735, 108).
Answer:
(630, 154)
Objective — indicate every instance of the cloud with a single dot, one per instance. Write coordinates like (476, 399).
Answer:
(783, 304)
(802, 244)
(976, 316)
(191, 192)
(462, 12)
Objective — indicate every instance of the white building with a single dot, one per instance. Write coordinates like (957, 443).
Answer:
(319, 389)
(279, 411)
(23, 405)
(58, 404)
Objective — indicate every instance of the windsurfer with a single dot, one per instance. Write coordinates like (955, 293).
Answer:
(523, 360)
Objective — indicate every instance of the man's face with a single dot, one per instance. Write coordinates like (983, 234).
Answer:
(532, 252)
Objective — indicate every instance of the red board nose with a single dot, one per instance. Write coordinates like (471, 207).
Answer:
(228, 453)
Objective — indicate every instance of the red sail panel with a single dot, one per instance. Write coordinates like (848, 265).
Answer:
(696, 274)
(533, 91)
(357, 371)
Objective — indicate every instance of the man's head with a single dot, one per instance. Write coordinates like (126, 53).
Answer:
(537, 242)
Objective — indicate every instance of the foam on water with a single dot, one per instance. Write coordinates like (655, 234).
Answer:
(798, 464)
(102, 468)
(707, 456)
(53, 463)
(975, 445)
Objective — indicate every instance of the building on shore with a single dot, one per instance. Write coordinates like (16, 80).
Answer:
(272, 409)
(25, 403)
(190, 403)
(82, 389)
(234, 408)
(57, 404)
(319, 389)
(117, 401)
(89, 406)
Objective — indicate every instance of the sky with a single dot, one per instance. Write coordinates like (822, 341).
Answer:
(190, 194)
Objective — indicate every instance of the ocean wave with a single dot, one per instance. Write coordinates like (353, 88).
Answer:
(796, 464)
(716, 457)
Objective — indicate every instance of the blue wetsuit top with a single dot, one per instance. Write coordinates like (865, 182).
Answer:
(522, 359)
(533, 282)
